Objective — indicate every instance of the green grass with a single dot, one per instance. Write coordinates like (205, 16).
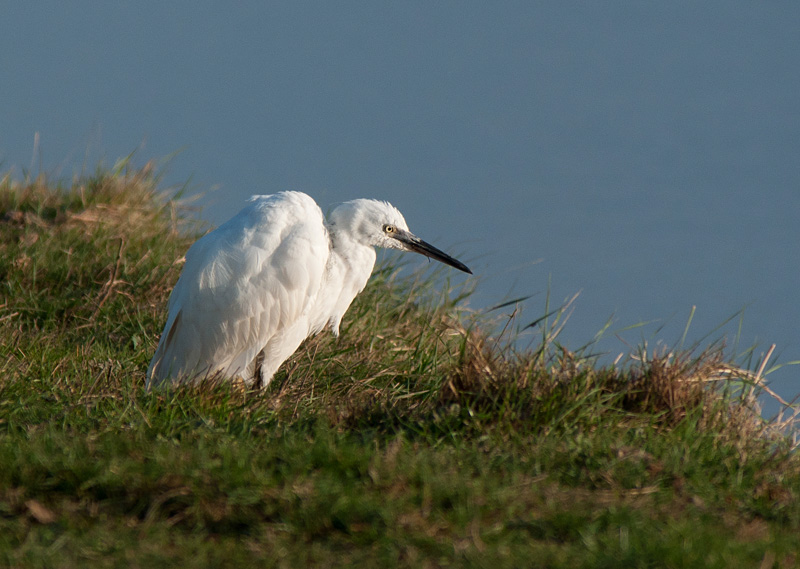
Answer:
(415, 439)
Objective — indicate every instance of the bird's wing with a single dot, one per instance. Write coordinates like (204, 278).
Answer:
(243, 283)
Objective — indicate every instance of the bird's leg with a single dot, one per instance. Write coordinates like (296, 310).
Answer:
(258, 379)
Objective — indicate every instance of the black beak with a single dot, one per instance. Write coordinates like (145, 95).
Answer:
(414, 243)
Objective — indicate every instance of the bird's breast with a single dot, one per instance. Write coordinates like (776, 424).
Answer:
(346, 275)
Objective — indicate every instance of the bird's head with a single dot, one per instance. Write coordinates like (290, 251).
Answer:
(380, 224)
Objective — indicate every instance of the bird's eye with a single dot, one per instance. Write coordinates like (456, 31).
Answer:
(389, 228)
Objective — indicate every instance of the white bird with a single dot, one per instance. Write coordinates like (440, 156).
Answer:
(276, 273)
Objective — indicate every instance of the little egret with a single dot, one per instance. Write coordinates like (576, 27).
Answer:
(276, 273)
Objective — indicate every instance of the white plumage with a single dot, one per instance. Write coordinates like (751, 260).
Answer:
(276, 273)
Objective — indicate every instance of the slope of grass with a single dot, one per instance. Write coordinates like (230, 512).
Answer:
(415, 439)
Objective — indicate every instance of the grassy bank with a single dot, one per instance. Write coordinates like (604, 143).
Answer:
(414, 439)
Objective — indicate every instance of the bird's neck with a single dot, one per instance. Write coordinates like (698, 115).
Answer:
(349, 268)
(357, 257)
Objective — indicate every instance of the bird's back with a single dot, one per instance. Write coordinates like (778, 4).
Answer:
(242, 284)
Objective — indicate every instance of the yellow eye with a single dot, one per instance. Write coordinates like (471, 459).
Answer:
(389, 228)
